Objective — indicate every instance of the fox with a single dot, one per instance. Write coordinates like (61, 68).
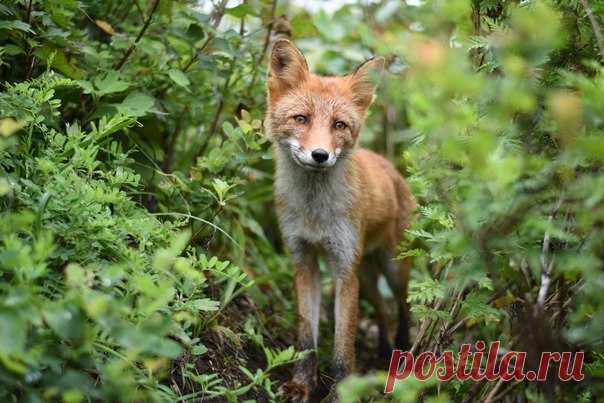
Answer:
(334, 200)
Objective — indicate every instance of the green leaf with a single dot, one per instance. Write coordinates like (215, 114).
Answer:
(302, 26)
(328, 27)
(204, 304)
(13, 333)
(245, 126)
(65, 321)
(241, 10)
(66, 63)
(477, 308)
(199, 349)
(13, 50)
(425, 291)
(76, 276)
(412, 253)
(86, 86)
(136, 104)
(112, 82)
(16, 24)
(179, 77)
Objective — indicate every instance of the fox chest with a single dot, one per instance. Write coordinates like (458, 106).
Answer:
(312, 222)
(323, 220)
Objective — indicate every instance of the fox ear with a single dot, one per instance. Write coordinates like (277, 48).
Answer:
(287, 68)
(364, 80)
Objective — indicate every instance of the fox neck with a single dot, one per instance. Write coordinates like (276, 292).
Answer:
(311, 203)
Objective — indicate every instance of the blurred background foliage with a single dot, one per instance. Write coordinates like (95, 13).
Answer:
(139, 253)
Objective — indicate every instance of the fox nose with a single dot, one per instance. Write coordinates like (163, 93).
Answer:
(319, 155)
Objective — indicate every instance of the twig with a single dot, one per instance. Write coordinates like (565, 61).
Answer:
(546, 267)
(595, 26)
(493, 391)
(267, 41)
(199, 51)
(218, 14)
(138, 38)
(443, 334)
(269, 30)
(216, 118)
(29, 60)
(140, 10)
(474, 391)
(242, 23)
(424, 326)
(457, 326)
(166, 165)
(527, 276)
(546, 280)
(500, 396)
(477, 54)
(223, 93)
(28, 15)
(452, 329)
(126, 13)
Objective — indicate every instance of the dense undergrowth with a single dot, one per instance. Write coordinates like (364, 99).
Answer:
(139, 255)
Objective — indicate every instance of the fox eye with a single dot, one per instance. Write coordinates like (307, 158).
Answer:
(301, 119)
(340, 125)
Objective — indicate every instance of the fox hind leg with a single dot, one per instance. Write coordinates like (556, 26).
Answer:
(371, 268)
(397, 276)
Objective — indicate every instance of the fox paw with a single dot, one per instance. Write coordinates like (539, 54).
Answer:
(296, 392)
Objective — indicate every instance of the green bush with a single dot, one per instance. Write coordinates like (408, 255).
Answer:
(110, 288)
(94, 286)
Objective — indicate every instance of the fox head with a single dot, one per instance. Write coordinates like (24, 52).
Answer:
(314, 119)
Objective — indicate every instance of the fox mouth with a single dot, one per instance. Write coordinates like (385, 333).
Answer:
(309, 166)
(295, 150)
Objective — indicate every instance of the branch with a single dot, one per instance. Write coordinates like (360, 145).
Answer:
(216, 118)
(267, 41)
(166, 165)
(217, 16)
(138, 38)
(242, 23)
(474, 391)
(29, 60)
(218, 13)
(546, 267)
(500, 396)
(225, 88)
(140, 10)
(493, 391)
(444, 331)
(269, 30)
(424, 326)
(595, 26)
(28, 15)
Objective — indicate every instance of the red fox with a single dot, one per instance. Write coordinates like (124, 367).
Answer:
(336, 200)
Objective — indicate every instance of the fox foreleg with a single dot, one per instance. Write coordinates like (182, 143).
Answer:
(308, 293)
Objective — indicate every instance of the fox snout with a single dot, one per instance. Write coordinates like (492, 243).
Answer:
(312, 158)
(319, 155)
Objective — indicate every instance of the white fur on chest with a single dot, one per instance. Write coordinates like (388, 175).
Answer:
(316, 210)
